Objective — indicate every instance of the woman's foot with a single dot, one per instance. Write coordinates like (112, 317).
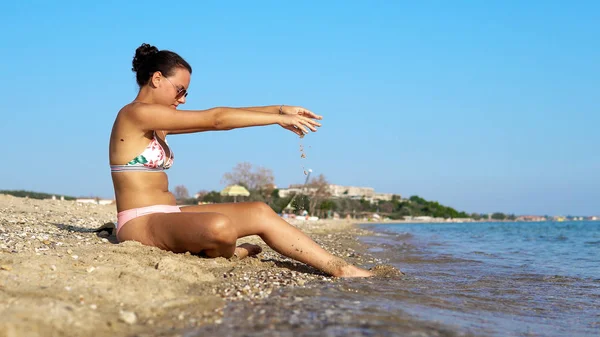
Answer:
(337, 267)
(353, 271)
(246, 249)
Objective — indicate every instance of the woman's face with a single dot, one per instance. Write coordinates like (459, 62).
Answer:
(171, 91)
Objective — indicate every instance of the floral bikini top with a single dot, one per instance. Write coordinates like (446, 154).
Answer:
(153, 159)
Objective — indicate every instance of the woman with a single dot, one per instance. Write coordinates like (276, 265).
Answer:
(139, 155)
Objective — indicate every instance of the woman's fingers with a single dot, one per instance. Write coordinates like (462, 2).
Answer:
(314, 122)
(301, 125)
(310, 121)
(309, 125)
(295, 130)
(308, 113)
(306, 123)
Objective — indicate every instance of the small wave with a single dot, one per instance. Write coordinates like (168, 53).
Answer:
(450, 259)
(560, 237)
(483, 253)
(376, 249)
(405, 235)
(537, 278)
(560, 279)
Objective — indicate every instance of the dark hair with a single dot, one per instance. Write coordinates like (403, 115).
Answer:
(148, 59)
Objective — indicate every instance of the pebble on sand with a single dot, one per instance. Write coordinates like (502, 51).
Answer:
(128, 317)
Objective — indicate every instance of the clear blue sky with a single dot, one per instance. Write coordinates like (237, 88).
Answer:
(481, 105)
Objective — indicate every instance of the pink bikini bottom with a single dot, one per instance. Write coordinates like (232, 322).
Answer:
(124, 216)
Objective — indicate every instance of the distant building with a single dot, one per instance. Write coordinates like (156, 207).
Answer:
(286, 192)
(352, 192)
(531, 218)
(340, 191)
(383, 196)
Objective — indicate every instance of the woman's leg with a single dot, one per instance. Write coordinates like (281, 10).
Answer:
(256, 218)
(210, 233)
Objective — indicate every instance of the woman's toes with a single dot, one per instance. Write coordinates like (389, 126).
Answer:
(247, 249)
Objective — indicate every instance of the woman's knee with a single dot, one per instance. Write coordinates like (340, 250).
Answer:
(260, 209)
(221, 230)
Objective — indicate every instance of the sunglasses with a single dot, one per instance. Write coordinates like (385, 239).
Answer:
(180, 92)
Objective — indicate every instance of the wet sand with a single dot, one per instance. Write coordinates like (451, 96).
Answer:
(59, 277)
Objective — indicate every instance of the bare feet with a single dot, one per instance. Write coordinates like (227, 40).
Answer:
(339, 268)
(246, 249)
(353, 271)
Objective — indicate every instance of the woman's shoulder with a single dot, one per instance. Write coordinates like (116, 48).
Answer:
(127, 119)
(140, 110)
(131, 112)
(133, 106)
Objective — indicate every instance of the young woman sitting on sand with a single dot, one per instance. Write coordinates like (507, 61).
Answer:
(139, 155)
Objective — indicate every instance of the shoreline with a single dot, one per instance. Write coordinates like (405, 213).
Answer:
(413, 222)
(58, 277)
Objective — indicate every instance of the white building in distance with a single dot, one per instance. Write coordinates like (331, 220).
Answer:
(340, 191)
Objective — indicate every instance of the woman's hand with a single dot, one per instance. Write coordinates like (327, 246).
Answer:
(298, 123)
(298, 110)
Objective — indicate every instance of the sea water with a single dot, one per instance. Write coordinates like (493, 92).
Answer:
(499, 278)
(461, 279)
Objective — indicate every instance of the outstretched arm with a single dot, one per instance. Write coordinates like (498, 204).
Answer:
(157, 117)
(273, 109)
(285, 110)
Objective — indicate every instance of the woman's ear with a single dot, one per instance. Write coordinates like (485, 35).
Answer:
(155, 79)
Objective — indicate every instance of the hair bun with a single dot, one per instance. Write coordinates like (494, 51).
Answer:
(142, 54)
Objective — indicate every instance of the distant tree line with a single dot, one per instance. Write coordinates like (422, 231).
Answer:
(34, 195)
(317, 200)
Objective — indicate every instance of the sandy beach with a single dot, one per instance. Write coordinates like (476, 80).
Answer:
(59, 276)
